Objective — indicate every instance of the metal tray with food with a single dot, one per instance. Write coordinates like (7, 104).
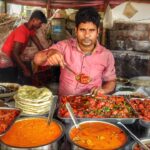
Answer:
(142, 107)
(7, 117)
(8, 89)
(111, 120)
(104, 107)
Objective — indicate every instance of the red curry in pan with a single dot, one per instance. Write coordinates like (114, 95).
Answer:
(32, 132)
(98, 136)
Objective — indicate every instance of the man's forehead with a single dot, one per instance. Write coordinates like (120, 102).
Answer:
(87, 25)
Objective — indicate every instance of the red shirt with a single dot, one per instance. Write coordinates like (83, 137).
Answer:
(20, 34)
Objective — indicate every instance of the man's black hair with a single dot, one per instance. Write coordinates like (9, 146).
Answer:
(38, 14)
(87, 14)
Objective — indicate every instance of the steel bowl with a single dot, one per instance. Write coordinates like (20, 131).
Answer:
(138, 81)
(14, 86)
(51, 146)
(144, 140)
(142, 46)
(78, 147)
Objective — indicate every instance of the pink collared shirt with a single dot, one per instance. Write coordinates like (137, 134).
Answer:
(99, 66)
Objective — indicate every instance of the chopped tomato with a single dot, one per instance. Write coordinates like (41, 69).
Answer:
(103, 106)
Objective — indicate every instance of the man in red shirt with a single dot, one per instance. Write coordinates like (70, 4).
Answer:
(15, 44)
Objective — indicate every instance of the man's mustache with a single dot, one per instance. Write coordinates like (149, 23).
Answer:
(87, 40)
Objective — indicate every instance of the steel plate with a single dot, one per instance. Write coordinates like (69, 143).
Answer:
(10, 94)
(140, 81)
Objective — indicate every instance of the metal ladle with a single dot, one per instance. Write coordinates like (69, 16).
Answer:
(51, 111)
(77, 76)
(134, 137)
(69, 108)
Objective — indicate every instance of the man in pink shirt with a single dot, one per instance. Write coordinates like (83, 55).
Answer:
(84, 55)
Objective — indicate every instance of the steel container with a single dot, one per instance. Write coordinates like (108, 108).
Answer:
(77, 147)
(142, 46)
(140, 81)
(144, 140)
(51, 146)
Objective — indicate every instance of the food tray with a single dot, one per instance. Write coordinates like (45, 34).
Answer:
(144, 123)
(14, 87)
(124, 93)
(111, 120)
(7, 117)
(143, 81)
(142, 108)
(104, 108)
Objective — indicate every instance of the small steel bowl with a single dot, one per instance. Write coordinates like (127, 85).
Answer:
(144, 140)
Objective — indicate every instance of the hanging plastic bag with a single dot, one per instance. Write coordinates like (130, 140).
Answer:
(129, 10)
(108, 18)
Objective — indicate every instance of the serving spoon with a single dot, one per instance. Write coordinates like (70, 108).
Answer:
(79, 76)
(69, 108)
(134, 137)
(51, 111)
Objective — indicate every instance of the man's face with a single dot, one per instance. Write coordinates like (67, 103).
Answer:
(87, 34)
(37, 23)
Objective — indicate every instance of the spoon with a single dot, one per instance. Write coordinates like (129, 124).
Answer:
(71, 70)
(51, 111)
(82, 78)
(134, 137)
(69, 108)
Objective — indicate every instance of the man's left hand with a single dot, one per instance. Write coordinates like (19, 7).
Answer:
(97, 91)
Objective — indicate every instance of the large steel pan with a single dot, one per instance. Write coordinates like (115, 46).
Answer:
(77, 147)
(51, 146)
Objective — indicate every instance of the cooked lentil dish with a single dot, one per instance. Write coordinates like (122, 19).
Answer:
(98, 136)
(32, 132)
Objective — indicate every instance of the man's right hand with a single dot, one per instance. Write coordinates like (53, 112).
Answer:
(55, 58)
(49, 57)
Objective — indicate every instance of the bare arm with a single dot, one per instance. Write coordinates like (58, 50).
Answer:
(37, 42)
(107, 88)
(15, 56)
(49, 57)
